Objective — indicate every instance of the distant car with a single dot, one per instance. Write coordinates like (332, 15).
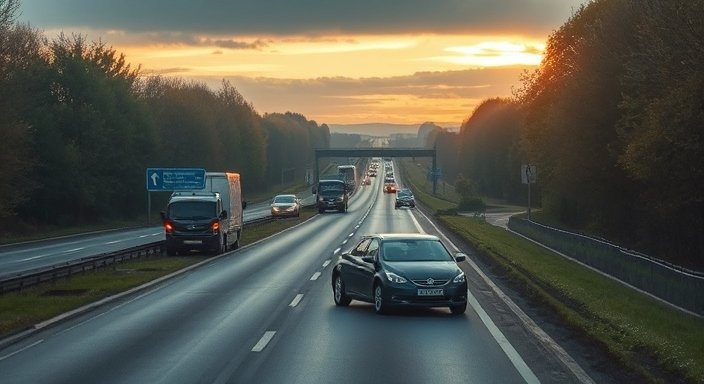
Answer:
(400, 270)
(389, 187)
(285, 206)
(405, 198)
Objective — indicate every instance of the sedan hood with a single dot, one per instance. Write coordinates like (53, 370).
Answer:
(283, 205)
(414, 270)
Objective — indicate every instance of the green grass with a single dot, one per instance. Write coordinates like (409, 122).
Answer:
(20, 310)
(635, 329)
(415, 176)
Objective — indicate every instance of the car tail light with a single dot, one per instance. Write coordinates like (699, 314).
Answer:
(168, 226)
(215, 226)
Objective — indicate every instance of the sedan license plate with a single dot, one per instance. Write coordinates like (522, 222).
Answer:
(190, 242)
(430, 292)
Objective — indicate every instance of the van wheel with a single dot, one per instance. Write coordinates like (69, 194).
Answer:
(236, 244)
(221, 246)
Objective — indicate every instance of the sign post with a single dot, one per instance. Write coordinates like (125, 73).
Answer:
(173, 179)
(529, 174)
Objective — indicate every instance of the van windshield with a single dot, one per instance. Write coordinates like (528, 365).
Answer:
(332, 188)
(192, 210)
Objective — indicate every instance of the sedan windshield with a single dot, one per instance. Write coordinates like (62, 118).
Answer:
(284, 200)
(415, 250)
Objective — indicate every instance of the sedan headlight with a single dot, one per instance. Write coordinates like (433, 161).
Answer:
(394, 278)
(459, 278)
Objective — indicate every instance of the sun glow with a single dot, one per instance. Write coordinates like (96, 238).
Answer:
(492, 53)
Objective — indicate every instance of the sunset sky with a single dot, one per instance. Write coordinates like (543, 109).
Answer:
(336, 62)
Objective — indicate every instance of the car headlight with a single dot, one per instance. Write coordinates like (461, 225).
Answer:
(459, 278)
(394, 278)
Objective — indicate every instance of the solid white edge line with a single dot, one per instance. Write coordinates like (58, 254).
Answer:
(532, 327)
(315, 276)
(296, 300)
(513, 355)
(266, 338)
(415, 222)
(21, 350)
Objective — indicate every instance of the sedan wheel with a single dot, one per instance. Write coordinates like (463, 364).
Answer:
(341, 298)
(379, 306)
(458, 309)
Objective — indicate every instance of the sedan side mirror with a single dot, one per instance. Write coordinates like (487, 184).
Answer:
(459, 257)
(369, 259)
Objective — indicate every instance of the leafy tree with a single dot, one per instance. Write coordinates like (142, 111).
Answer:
(489, 148)
(21, 72)
(91, 139)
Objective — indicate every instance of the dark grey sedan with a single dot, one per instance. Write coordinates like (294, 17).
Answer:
(400, 270)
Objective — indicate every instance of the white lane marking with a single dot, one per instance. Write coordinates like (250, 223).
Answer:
(538, 332)
(74, 250)
(296, 300)
(337, 251)
(21, 350)
(114, 242)
(415, 222)
(326, 263)
(315, 276)
(268, 335)
(344, 242)
(32, 258)
(143, 236)
(505, 345)
(351, 234)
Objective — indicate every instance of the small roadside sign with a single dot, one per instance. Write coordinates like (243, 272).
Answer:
(529, 173)
(175, 179)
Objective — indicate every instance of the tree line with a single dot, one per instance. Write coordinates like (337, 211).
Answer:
(79, 125)
(613, 119)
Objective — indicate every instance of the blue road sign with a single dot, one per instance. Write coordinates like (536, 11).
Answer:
(175, 179)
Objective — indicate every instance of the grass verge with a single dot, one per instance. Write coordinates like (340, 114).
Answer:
(23, 309)
(652, 339)
(655, 341)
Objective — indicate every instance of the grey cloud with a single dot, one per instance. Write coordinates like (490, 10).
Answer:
(303, 17)
(315, 96)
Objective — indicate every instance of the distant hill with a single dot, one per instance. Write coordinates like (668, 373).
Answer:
(374, 129)
(385, 129)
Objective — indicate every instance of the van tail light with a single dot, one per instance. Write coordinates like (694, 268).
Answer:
(215, 226)
(168, 226)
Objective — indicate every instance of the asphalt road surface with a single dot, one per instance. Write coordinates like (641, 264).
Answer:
(265, 314)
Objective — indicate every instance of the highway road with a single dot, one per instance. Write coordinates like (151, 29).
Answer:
(265, 314)
(18, 258)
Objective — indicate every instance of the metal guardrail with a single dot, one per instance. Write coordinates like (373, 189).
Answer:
(42, 275)
(674, 284)
(25, 279)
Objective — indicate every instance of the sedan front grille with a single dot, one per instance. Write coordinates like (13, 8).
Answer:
(430, 282)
